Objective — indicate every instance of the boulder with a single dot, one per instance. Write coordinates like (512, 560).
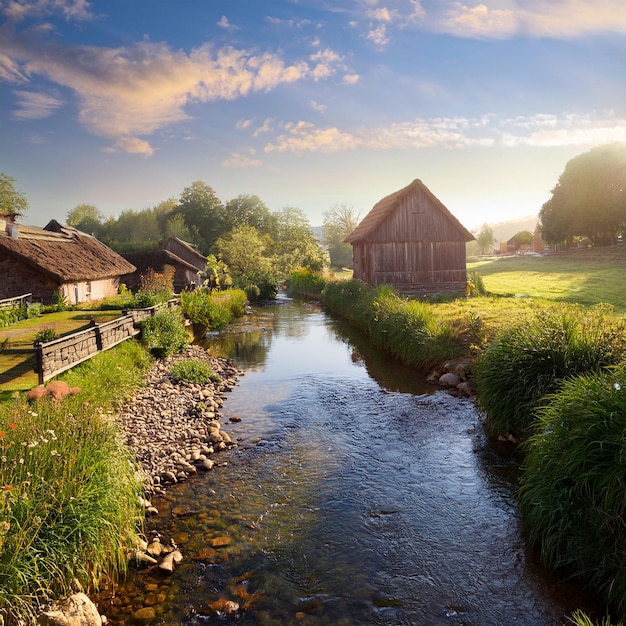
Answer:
(77, 610)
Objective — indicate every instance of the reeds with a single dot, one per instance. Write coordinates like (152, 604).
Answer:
(212, 310)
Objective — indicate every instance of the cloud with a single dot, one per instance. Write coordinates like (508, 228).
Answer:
(455, 133)
(35, 106)
(316, 106)
(16, 11)
(266, 127)
(127, 92)
(241, 160)
(225, 24)
(133, 145)
(535, 18)
(243, 124)
(351, 79)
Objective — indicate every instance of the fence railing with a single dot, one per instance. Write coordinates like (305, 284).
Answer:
(59, 355)
(10, 302)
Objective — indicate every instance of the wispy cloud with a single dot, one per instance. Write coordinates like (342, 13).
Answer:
(15, 11)
(35, 106)
(226, 25)
(129, 92)
(454, 133)
(244, 160)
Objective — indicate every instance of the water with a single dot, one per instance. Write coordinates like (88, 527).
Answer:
(357, 495)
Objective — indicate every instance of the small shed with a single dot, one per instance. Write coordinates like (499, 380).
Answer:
(411, 240)
(59, 259)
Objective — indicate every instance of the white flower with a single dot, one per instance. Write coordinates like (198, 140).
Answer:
(617, 386)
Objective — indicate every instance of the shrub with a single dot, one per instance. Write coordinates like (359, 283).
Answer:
(532, 357)
(572, 492)
(163, 334)
(193, 371)
(212, 310)
(46, 334)
(306, 282)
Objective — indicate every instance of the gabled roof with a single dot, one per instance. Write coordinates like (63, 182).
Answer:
(193, 253)
(157, 259)
(64, 253)
(389, 203)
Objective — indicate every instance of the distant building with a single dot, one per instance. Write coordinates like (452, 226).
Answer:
(411, 240)
(57, 259)
(188, 264)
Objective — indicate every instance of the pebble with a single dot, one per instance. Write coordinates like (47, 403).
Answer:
(172, 428)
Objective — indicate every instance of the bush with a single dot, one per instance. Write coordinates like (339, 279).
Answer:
(532, 357)
(46, 334)
(193, 371)
(572, 492)
(306, 282)
(212, 311)
(163, 334)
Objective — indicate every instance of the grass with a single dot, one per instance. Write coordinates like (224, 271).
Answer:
(573, 485)
(212, 310)
(193, 371)
(17, 360)
(69, 487)
(584, 277)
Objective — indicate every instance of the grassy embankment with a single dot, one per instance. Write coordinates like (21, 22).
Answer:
(550, 347)
(69, 488)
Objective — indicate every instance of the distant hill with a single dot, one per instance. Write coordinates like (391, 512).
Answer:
(503, 231)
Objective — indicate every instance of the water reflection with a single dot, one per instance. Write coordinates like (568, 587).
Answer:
(356, 496)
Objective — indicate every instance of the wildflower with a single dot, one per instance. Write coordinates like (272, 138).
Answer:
(617, 386)
(3, 433)
(8, 487)
(12, 426)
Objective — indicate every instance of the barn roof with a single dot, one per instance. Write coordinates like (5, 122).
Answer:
(156, 259)
(64, 253)
(193, 253)
(388, 204)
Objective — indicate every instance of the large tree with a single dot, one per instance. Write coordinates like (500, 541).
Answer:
(204, 215)
(12, 202)
(589, 199)
(485, 239)
(86, 217)
(248, 209)
(339, 221)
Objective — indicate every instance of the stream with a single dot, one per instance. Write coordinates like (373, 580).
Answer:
(357, 494)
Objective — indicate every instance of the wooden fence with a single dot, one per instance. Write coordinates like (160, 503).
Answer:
(18, 300)
(57, 356)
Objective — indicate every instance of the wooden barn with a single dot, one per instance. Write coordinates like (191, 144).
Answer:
(411, 241)
(57, 259)
(188, 264)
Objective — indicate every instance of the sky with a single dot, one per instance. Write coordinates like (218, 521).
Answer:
(306, 103)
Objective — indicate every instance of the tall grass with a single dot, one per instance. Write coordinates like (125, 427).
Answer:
(408, 329)
(573, 496)
(533, 356)
(69, 487)
(212, 310)
(306, 282)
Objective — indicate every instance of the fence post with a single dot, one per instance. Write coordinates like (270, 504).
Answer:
(39, 362)
(98, 333)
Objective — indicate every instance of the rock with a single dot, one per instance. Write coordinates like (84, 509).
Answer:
(207, 464)
(449, 380)
(224, 606)
(77, 610)
(220, 542)
(147, 614)
(167, 564)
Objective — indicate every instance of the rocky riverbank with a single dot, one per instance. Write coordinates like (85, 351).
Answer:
(173, 428)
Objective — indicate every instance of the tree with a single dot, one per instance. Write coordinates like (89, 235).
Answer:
(295, 244)
(13, 203)
(86, 217)
(204, 215)
(522, 238)
(338, 223)
(589, 199)
(485, 238)
(248, 209)
(176, 227)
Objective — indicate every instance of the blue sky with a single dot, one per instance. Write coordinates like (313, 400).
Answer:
(306, 103)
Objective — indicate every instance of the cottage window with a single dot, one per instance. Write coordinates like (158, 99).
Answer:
(88, 291)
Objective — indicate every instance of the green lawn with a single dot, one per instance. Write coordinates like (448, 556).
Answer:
(17, 360)
(582, 276)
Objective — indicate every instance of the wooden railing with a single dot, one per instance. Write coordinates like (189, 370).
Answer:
(59, 355)
(18, 300)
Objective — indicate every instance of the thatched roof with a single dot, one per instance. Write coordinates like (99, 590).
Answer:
(64, 253)
(388, 204)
